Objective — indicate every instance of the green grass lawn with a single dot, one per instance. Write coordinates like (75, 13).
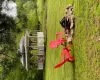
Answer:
(55, 12)
(86, 45)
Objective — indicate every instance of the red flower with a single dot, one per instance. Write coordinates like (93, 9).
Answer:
(68, 57)
(60, 64)
(58, 41)
(66, 51)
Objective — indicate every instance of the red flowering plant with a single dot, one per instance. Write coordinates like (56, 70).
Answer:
(65, 51)
(59, 40)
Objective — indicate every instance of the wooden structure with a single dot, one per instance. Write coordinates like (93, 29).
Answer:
(33, 42)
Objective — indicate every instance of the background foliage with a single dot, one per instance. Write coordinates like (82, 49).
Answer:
(10, 35)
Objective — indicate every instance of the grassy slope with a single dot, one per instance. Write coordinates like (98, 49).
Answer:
(86, 44)
(55, 12)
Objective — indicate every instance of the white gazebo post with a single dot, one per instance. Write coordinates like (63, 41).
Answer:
(40, 44)
(26, 49)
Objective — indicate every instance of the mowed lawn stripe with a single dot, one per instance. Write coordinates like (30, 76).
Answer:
(55, 12)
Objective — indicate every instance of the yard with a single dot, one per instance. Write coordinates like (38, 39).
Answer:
(55, 12)
(86, 41)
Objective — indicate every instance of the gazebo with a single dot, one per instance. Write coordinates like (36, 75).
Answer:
(32, 50)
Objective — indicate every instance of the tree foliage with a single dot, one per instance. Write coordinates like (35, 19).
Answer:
(10, 33)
